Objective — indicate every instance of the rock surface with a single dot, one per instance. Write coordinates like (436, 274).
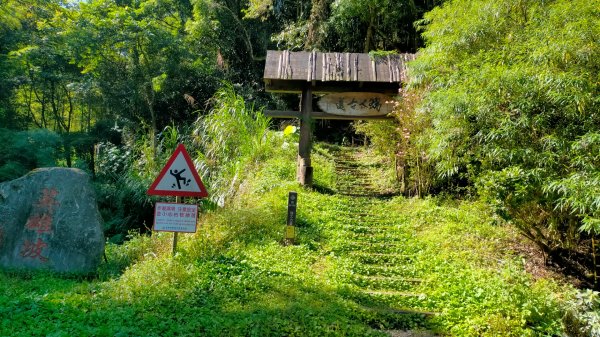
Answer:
(49, 220)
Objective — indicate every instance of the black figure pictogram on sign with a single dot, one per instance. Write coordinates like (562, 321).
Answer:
(179, 179)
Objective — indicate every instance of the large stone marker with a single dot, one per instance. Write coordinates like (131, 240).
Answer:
(49, 220)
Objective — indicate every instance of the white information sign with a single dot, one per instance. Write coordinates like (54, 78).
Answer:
(173, 217)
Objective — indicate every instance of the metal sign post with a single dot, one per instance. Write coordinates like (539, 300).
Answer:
(177, 200)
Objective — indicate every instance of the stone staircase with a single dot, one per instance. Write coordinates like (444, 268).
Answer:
(381, 249)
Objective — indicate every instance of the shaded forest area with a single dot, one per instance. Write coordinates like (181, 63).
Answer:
(502, 103)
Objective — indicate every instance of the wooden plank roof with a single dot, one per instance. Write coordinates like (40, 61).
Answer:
(287, 71)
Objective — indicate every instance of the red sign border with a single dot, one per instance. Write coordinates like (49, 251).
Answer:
(203, 192)
(175, 203)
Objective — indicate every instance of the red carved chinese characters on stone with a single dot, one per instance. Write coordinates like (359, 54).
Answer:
(48, 201)
(41, 219)
(39, 223)
(33, 250)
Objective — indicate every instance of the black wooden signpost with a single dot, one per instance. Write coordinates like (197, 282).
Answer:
(292, 204)
(314, 73)
(290, 228)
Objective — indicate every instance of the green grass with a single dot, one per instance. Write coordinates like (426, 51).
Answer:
(235, 278)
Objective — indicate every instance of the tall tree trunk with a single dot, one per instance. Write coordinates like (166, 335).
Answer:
(70, 112)
(42, 102)
(147, 92)
(149, 96)
(30, 108)
(370, 29)
(92, 150)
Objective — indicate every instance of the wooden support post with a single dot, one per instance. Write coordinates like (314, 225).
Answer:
(305, 171)
(595, 262)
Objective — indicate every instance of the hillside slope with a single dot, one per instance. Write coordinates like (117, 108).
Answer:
(365, 263)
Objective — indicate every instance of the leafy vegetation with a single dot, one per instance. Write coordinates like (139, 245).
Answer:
(235, 278)
(223, 158)
(27, 150)
(583, 318)
(511, 91)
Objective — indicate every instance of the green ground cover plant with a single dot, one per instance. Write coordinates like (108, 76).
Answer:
(235, 278)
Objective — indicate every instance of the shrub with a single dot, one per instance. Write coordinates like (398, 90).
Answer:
(231, 139)
(512, 90)
(583, 317)
(402, 142)
(24, 151)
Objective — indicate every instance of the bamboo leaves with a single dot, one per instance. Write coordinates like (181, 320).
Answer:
(513, 87)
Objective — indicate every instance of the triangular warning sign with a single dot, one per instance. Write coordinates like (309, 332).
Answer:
(179, 177)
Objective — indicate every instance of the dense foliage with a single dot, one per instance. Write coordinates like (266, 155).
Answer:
(26, 150)
(118, 83)
(223, 158)
(403, 142)
(513, 97)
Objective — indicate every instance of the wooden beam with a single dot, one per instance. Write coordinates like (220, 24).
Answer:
(319, 115)
(318, 87)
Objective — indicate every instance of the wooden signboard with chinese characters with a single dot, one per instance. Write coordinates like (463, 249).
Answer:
(358, 104)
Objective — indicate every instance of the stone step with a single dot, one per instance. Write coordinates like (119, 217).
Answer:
(374, 228)
(376, 250)
(392, 298)
(408, 270)
(400, 311)
(382, 258)
(358, 172)
(358, 211)
(363, 225)
(385, 237)
(396, 321)
(365, 214)
(356, 187)
(390, 247)
(380, 247)
(387, 282)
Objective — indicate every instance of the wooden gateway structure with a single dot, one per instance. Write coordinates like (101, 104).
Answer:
(352, 86)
